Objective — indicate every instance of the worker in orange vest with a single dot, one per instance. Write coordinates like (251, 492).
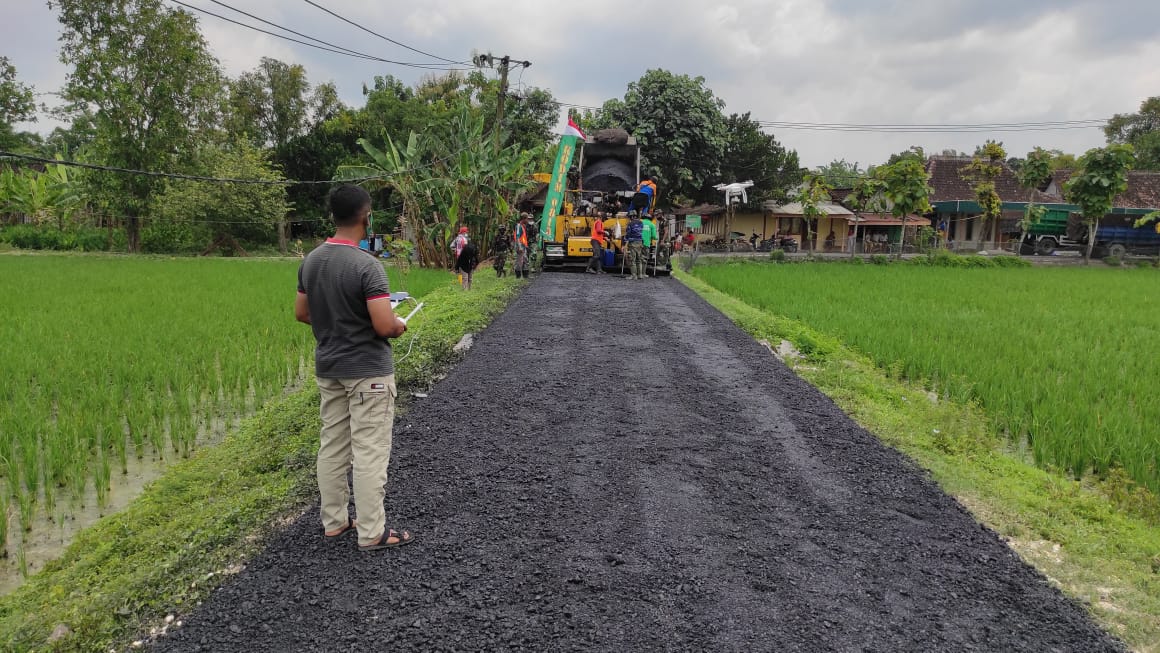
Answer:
(596, 263)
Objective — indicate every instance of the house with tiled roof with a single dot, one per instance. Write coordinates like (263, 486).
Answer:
(956, 207)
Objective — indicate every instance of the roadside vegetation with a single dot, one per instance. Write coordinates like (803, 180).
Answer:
(208, 513)
(1098, 538)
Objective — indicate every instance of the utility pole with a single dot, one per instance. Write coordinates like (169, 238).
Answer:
(505, 64)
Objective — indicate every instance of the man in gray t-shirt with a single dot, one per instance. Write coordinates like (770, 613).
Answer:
(344, 295)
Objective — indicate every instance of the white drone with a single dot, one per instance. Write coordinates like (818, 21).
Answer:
(735, 193)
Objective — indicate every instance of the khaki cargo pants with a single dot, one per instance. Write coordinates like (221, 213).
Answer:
(357, 418)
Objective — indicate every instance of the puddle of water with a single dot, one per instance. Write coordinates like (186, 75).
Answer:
(48, 538)
(51, 534)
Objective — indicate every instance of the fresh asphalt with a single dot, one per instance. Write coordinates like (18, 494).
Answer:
(615, 466)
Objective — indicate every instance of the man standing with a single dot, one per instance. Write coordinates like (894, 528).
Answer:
(634, 238)
(343, 294)
(648, 240)
(500, 247)
(596, 263)
(520, 240)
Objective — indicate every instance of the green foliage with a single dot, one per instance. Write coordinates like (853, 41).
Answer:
(168, 549)
(16, 104)
(190, 210)
(1102, 175)
(941, 258)
(840, 173)
(678, 121)
(274, 103)
(1113, 261)
(449, 176)
(154, 90)
(811, 196)
(48, 196)
(1036, 169)
(985, 167)
(777, 255)
(915, 152)
(84, 239)
(904, 185)
(1141, 131)
(880, 259)
(1034, 173)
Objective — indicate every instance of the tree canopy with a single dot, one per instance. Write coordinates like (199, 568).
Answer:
(16, 103)
(1141, 130)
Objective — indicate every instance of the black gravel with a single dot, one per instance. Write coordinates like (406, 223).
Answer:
(616, 467)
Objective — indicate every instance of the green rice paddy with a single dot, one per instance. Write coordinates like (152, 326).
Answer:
(108, 358)
(1065, 360)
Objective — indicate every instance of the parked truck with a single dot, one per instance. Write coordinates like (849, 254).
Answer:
(1116, 235)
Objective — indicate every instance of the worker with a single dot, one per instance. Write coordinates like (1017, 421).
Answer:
(459, 243)
(596, 263)
(648, 240)
(467, 261)
(520, 242)
(648, 187)
(634, 239)
(500, 248)
(344, 295)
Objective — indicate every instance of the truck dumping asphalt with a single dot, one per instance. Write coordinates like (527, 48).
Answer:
(615, 466)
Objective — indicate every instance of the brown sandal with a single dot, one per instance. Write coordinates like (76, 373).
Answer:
(401, 539)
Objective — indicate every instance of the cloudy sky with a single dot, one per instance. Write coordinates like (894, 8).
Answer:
(802, 61)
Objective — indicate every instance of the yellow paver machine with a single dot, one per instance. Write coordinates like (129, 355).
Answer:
(603, 182)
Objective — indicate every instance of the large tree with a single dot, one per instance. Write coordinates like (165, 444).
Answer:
(16, 105)
(1102, 175)
(145, 73)
(275, 103)
(683, 134)
(1140, 130)
(753, 155)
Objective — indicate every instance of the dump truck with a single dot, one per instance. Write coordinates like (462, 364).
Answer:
(603, 180)
(1116, 235)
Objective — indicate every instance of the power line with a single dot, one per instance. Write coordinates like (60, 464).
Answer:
(329, 47)
(385, 38)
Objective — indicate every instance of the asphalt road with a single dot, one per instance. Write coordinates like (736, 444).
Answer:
(615, 466)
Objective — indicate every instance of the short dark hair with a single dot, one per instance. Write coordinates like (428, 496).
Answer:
(347, 203)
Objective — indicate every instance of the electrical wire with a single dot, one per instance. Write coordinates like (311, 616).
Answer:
(385, 38)
(336, 49)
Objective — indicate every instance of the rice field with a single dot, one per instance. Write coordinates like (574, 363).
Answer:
(109, 359)
(1066, 360)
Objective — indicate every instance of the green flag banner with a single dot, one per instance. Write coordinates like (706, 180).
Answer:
(692, 222)
(554, 202)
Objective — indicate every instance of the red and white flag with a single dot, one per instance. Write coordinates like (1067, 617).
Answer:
(574, 130)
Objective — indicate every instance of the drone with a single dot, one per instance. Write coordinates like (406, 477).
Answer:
(735, 192)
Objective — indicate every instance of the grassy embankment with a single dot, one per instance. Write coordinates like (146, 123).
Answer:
(208, 512)
(1098, 538)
